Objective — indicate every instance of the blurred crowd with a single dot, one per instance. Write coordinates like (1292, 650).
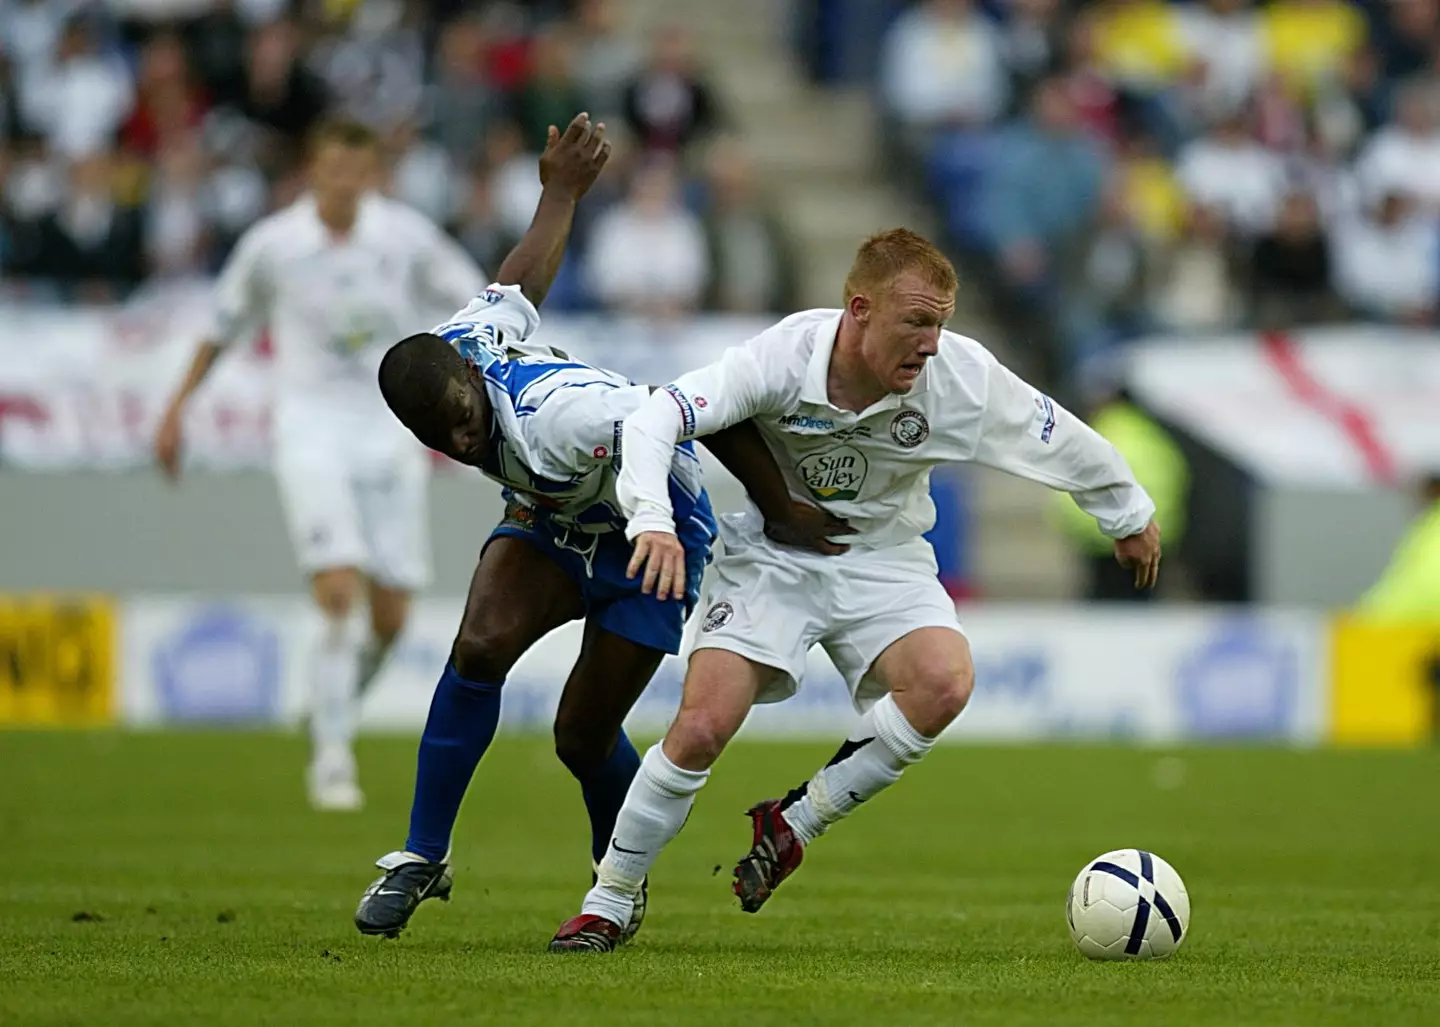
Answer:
(139, 138)
(1121, 167)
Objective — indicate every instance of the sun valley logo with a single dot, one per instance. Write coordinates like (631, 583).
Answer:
(835, 474)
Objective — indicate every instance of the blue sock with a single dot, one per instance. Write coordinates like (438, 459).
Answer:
(604, 789)
(463, 716)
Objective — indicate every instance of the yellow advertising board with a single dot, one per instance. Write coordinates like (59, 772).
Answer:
(1385, 679)
(57, 660)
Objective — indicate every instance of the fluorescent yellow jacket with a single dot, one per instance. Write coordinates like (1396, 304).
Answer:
(1409, 590)
(1158, 466)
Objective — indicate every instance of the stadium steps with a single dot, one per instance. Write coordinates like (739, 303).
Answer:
(815, 152)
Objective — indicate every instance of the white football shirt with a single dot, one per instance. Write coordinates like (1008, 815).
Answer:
(872, 468)
(334, 304)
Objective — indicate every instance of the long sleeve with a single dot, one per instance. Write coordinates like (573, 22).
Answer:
(699, 403)
(1027, 434)
(241, 292)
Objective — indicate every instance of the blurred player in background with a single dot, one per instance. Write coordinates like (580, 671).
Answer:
(548, 428)
(859, 404)
(337, 277)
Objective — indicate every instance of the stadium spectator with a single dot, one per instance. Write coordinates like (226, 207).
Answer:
(605, 58)
(90, 243)
(78, 99)
(1140, 44)
(216, 43)
(550, 95)
(1224, 40)
(1387, 262)
(1111, 304)
(1044, 184)
(462, 103)
(669, 105)
(1032, 39)
(1226, 169)
(1404, 157)
(176, 230)
(1290, 268)
(1409, 589)
(1406, 38)
(279, 95)
(1198, 289)
(477, 226)
(510, 167)
(1091, 93)
(422, 174)
(31, 31)
(374, 69)
(748, 251)
(170, 103)
(1310, 41)
(648, 255)
(942, 68)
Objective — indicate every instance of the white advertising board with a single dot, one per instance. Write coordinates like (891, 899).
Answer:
(1150, 676)
(85, 387)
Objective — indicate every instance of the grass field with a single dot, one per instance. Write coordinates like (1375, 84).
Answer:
(216, 897)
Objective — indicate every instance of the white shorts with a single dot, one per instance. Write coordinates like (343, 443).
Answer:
(770, 605)
(355, 499)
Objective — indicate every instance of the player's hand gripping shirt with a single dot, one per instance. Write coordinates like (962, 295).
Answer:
(873, 468)
(556, 423)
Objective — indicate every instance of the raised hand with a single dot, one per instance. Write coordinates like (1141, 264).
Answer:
(573, 160)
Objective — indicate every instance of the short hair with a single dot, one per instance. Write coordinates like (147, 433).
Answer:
(883, 258)
(416, 375)
(347, 132)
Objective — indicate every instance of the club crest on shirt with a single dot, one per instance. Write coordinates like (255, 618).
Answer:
(909, 428)
(836, 473)
(717, 616)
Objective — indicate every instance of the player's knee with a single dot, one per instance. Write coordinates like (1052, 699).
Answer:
(696, 739)
(949, 691)
(483, 653)
(335, 598)
(580, 750)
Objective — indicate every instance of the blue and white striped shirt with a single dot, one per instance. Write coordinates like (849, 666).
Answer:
(556, 423)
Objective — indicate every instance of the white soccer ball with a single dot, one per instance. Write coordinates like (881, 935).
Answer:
(1128, 904)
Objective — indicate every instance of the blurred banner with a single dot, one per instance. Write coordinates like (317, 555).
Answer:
(1347, 406)
(1043, 673)
(57, 666)
(1386, 683)
(85, 387)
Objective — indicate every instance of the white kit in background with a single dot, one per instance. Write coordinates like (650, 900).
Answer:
(353, 481)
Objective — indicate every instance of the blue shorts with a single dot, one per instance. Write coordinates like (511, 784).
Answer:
(612, 600)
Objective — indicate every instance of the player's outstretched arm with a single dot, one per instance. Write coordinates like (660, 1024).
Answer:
(241, 302)
(1027, 434)
(788, 521)
(170, 435)
(568, 168)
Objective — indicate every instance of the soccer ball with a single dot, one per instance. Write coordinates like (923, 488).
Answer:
(1128, 904)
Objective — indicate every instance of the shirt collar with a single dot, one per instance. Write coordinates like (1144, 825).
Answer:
(816, 388)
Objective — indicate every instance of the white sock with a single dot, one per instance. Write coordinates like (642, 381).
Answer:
(870, 761)
(332, 697)
(655, 809)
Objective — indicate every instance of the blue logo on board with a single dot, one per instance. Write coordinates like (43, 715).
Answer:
(222, 664)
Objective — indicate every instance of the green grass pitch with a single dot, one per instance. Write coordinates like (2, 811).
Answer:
(218, 898)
